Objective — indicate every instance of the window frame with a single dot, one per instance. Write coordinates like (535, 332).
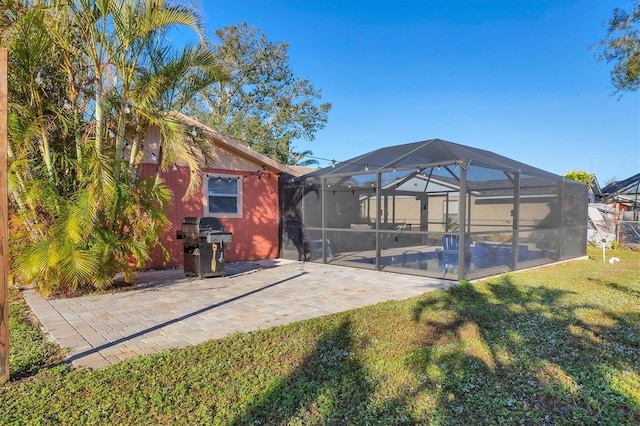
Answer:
(207, 194)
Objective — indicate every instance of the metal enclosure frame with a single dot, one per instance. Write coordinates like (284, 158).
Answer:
(392, 209)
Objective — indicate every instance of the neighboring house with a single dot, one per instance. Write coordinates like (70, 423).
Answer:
(239, 186)
(624, 195)
(624, 198)
(594, 190)
(431, 213)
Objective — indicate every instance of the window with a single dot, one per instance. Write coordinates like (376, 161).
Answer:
(223, 196)
(450, 215)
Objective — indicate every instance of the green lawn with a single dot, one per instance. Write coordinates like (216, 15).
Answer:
(556, 345)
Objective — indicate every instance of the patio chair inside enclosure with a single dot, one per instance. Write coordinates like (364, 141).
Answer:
(450, 256)
(315, 249)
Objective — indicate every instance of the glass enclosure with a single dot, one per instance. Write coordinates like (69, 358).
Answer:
(407, 208)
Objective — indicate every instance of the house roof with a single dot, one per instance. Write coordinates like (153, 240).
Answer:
(303, 170)
(428, 153)
(627, 186)
(595, 186)
(236, 147)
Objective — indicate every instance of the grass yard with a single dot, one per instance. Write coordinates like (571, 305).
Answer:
(555, 345)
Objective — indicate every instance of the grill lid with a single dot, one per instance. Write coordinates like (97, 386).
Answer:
(210, 224)
(203, 223)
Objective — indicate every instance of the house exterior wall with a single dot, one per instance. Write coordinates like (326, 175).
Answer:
(484, 216)
(255, 234)
(255, 230)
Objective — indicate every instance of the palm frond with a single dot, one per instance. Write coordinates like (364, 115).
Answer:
(78, 268)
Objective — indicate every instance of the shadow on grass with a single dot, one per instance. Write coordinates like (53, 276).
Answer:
(328, 387)
(616, 286)
(499, 353)
(523, 354)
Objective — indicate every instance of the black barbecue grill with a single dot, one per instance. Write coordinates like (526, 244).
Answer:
(203, 242)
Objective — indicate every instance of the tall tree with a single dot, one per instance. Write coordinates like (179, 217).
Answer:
(622, 47)
(580, 176)
(261, 103)
(88, 78)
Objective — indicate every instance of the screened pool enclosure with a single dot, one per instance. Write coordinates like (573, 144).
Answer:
(434, 208)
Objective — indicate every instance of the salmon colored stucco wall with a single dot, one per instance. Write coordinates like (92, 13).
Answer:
(255, 234)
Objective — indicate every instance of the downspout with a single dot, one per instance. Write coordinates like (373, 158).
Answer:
(469, 213)
(446, 212)
(386, 209)
(393, 208)
(424, 208)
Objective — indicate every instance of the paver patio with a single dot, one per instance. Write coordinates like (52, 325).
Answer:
(168, 310)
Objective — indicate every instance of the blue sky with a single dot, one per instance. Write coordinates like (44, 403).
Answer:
(514, 77)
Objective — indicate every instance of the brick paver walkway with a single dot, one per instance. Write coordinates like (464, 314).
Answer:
(168, 310)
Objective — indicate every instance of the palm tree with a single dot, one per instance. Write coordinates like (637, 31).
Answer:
(92, 76)
(298, 159)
